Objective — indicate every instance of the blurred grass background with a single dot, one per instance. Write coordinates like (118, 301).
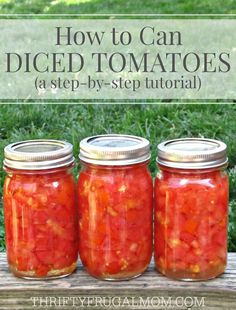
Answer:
(156, 122)
(118, 6)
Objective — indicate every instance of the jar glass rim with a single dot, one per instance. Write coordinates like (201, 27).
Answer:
(114, 150)
(192, 153)
(40, 154)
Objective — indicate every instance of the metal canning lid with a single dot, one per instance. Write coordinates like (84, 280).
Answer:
(38, 154)
(192, 153)
(114, 150)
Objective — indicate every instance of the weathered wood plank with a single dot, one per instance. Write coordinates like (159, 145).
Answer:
(150, 291)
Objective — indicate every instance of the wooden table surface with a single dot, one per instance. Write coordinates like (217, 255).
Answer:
(149, 291)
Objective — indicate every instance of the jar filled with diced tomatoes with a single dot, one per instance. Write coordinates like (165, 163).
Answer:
(115, 206)
(40, 209)
(191, 209)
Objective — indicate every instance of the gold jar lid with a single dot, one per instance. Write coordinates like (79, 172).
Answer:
(38, 154)
(192, 153)
(114, 150)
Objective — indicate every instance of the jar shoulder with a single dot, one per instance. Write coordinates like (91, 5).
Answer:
(211, 179)
(36, 183)
(115, 180)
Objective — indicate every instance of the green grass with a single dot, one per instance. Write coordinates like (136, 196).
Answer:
(118, 6)
(155, 122)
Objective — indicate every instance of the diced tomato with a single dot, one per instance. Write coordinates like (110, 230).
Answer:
(42, 270)
(191, 223)
(42, 243)
(115, 220)
(40, 220)
(190, 226)
(22, 263)
(113, 268)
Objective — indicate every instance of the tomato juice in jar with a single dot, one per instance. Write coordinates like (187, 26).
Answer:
(40, 209)
(115, 206)
(191, 209)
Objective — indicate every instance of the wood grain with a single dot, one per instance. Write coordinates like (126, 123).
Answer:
(149, 291)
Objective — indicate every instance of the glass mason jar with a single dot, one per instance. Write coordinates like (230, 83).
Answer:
(40, 209)
(191, 209)
(115, 206)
